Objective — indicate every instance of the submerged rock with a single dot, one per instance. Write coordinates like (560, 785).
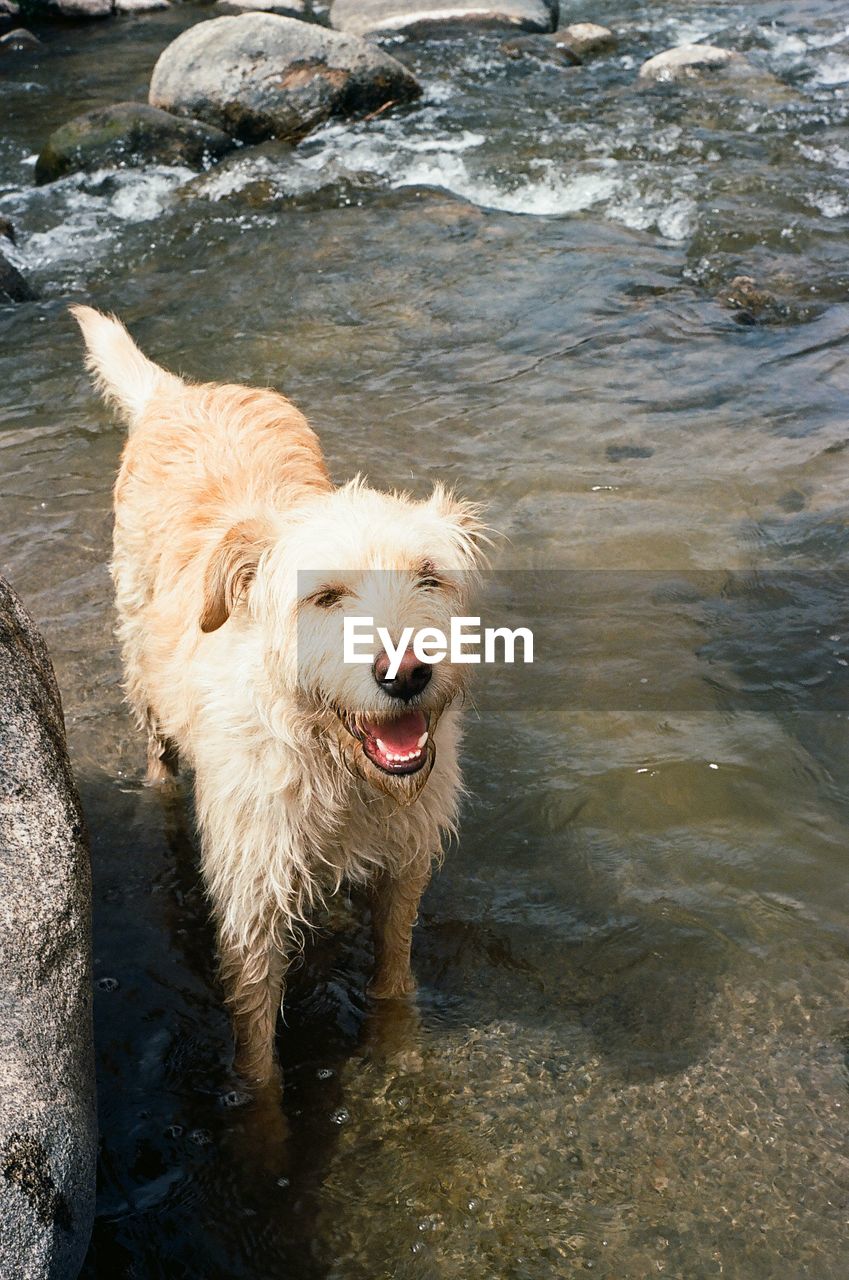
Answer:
(260, 76)
(585, 37)
(420, 17)
(750, 303)
(689, 61)
(129, 134)
(48, 1130)
(284, 8)
(13, 286)
(20, 38)
(543, 48)
(711, 68)
(252, 176)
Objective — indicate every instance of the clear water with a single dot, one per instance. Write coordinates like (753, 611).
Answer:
(628, 1050)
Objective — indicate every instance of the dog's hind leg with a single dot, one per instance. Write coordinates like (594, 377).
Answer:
(394, 908)
(253, 982)
(162, 757)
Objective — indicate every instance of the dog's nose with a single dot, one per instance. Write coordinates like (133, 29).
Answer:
(411, 677)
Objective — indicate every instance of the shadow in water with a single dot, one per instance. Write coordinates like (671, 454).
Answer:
(200, 1178)
(197, 1176)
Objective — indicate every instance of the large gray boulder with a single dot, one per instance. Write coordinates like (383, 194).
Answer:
(424, 17)
(129, 134)
(48, 1130)
(262, 76)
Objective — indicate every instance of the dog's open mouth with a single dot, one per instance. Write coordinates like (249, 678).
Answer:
(395, 746)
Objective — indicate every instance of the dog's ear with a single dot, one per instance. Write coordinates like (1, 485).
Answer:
(231, 570)
(469, 533)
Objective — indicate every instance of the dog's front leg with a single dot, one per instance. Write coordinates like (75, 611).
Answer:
(394, 908)
(252, 974)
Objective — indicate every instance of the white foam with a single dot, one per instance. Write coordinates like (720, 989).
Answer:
(82, 220)
(673, 218)
(792, 44)
(233, 178)
(141, 199)
(463, 142)
(834, 155)
(689, 31)
(426, 161)
(549, 195)
(458, 164)
(677, 220)
(827, 41)
(829, 204)
(785, 44)
(832, 70)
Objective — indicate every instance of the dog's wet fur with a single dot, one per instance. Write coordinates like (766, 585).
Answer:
(235, 560)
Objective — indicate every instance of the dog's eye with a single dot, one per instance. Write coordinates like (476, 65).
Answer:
(430, 583)
(327, 597)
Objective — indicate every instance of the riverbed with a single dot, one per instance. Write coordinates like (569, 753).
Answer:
(628, 1049)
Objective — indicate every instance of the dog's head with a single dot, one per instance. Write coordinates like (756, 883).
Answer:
(352, 553)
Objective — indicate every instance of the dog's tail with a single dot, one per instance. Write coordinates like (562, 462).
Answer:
(123, 374)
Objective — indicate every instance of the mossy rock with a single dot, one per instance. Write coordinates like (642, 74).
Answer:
(129, 134)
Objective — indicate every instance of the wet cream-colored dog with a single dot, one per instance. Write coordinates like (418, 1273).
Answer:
(235, 560)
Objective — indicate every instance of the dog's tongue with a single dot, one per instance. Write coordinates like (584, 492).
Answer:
(399, 736)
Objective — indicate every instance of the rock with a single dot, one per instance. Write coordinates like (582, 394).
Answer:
(13, 288)
(48, 1128)
(424, 17)
(585, 38)
(718, 70)
(129, 134)
(260, 76)
(285, 8)
(81, 8)
(541, 47)
(20, 38)
(140, 6)
(750, 303)
(253, 176)
(688, 61)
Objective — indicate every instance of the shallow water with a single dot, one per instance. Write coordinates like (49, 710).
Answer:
(628, 1049)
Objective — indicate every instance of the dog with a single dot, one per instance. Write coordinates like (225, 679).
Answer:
(235, 562)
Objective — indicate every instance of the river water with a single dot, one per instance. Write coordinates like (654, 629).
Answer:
(628, 1050)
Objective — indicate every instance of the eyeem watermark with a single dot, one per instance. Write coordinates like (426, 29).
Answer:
(431, 645)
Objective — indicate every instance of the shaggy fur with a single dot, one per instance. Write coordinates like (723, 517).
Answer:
(233, 662)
